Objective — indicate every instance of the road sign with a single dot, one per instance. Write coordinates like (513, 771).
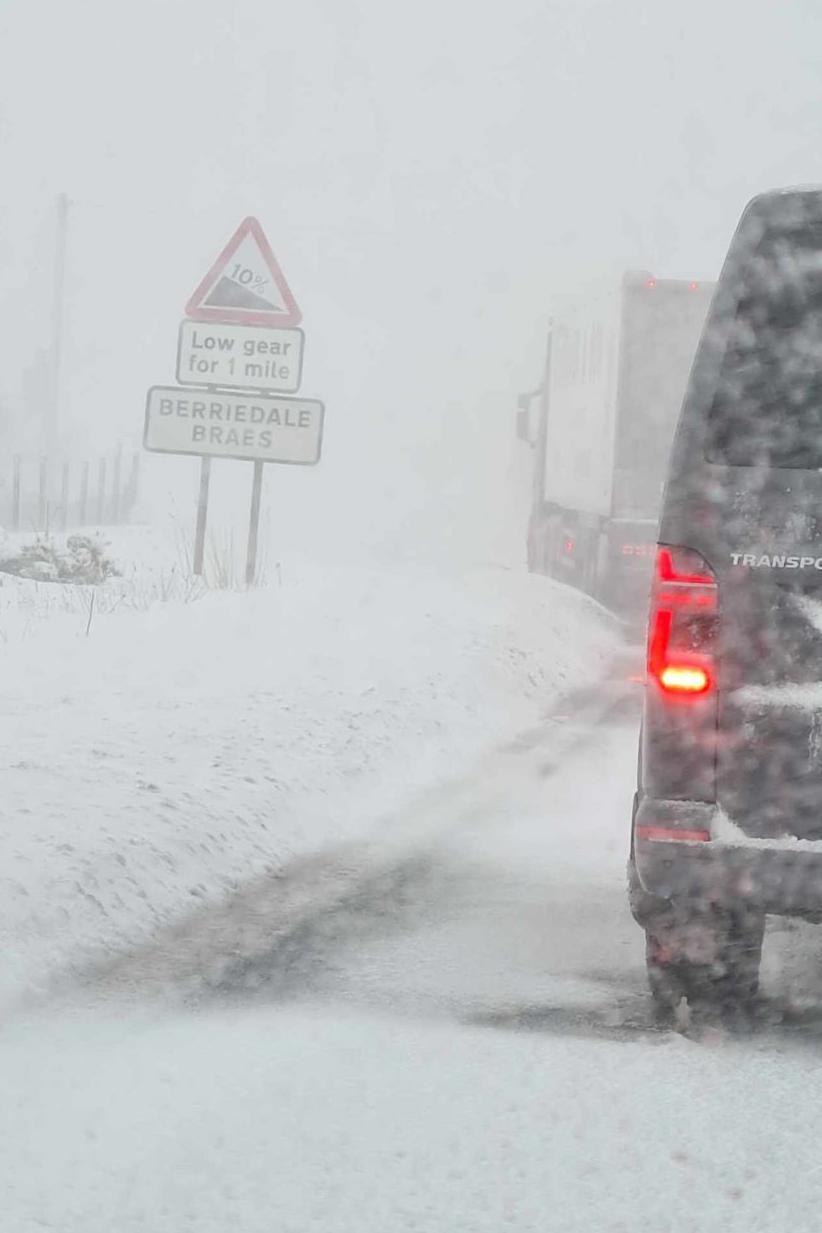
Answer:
(246, 357)
(236, 343)
(229, 424)
(245, 285)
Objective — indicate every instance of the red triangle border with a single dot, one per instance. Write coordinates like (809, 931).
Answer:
(197, 311)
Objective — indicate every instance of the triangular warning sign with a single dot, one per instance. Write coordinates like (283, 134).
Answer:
(245, 284)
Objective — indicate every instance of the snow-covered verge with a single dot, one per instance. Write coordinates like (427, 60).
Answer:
(160, 752)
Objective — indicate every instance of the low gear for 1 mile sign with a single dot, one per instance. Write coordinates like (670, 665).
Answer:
(248, 357)
(238, 351)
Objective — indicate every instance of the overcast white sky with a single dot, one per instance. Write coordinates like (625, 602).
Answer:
(427, 174)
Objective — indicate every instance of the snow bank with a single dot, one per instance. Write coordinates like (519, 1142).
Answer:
(177, 749)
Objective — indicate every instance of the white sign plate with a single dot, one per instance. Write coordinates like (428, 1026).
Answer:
(247, 357)
(228, 424)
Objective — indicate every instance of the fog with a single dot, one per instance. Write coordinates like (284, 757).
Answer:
(428, 177)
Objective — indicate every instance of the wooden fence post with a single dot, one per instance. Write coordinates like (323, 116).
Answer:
(84, 494)
(42, 507)
(64, 496)
(134, 482)
(15, 493)
(116, 500)
(101, 492)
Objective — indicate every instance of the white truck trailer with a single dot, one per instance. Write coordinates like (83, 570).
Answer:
(601, 424)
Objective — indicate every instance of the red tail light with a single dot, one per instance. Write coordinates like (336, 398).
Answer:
(682, 565)
(682, 628)
(684, 679)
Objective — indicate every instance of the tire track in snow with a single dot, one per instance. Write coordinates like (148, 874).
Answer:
(267, 936)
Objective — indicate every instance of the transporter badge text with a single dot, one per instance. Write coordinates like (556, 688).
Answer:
(766, 560)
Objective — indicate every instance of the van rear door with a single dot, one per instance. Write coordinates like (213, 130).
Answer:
(751, 503)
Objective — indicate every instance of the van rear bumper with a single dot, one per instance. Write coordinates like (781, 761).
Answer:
(785, 880)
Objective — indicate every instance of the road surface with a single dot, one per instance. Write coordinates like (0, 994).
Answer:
(448, 1030)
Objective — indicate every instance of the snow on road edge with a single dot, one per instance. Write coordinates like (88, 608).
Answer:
(181, 749)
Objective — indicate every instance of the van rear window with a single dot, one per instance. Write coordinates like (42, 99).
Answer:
(767, 410)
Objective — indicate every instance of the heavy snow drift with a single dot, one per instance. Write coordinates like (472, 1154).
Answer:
(159, 753)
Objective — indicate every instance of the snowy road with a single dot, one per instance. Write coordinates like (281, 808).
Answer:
(456, 1037)
(515, 906)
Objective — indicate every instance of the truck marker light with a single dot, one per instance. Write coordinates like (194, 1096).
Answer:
(684, 679)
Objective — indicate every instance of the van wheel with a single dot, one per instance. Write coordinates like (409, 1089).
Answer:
(711, 962)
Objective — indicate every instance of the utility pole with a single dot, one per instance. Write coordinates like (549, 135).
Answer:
(52, 412)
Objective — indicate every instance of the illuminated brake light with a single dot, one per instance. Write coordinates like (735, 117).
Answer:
(681, 628)
(650, 284)
(693, 286)
(684, 679)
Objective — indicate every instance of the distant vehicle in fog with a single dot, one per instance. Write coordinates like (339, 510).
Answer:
(727, 823)
(601, 424)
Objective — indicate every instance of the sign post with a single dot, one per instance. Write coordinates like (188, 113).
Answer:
(238, 352)
(202, 514)
(254, 524)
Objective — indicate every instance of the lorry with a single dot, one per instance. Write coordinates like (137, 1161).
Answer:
(601, 424)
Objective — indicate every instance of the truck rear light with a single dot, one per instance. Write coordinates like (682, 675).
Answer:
(682, 627)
